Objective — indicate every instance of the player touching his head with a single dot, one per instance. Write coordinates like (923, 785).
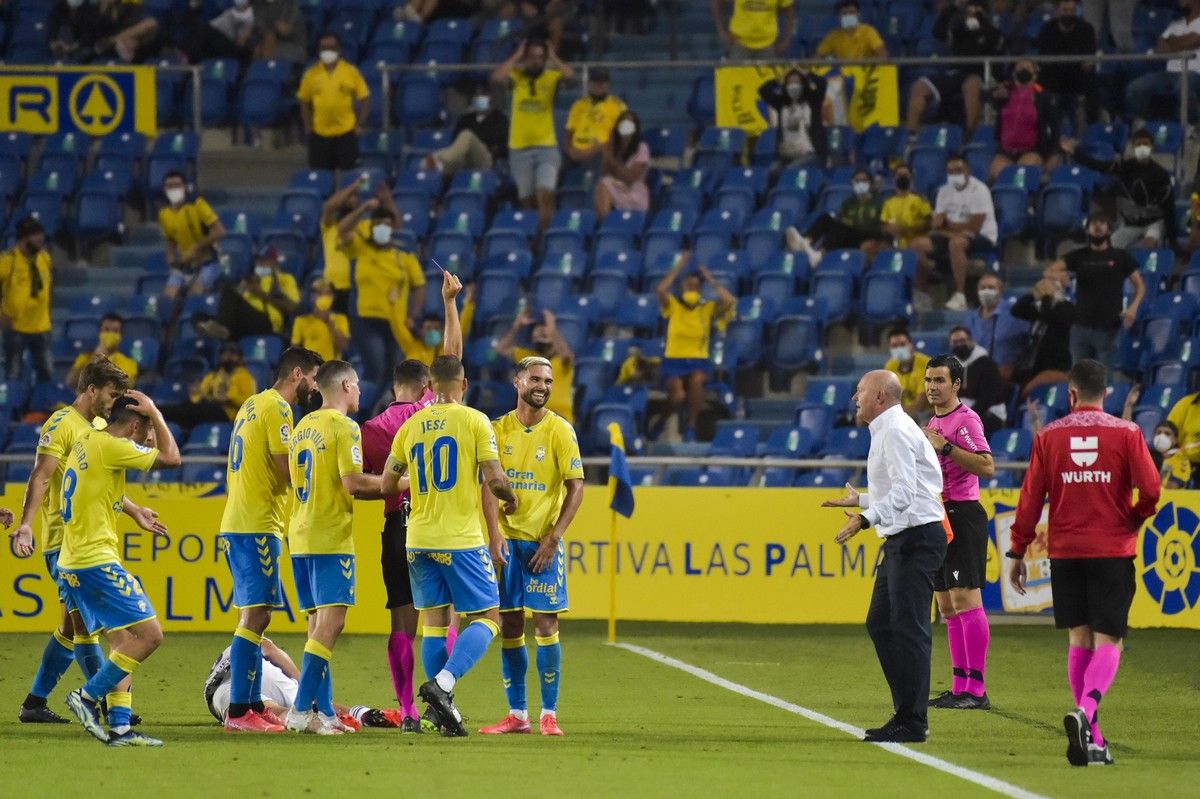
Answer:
(540, 454)
(441, 449)
(325, 460)
(252, 527)
(108, 597)
(100, 383)
(956, 433)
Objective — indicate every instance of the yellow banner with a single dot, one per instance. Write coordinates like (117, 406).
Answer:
(688, 554)
(874, 100)
(93, 101)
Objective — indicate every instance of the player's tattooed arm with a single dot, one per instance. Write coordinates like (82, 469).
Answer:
(498, 484)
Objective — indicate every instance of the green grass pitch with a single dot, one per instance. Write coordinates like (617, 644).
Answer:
(635, 727)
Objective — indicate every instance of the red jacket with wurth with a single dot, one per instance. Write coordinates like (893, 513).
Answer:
(1089, 462)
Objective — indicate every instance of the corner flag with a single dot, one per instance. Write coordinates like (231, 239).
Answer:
(619, 481)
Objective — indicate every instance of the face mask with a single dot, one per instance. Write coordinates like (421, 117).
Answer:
(972, 24)
(329, 57)
(1024, 76)
(957, 181)
(861, 187)
(110, 340)
(1141, 152)
(176, 195)
(626, 127)
(962, 351)
(988, 298)
(598, 98)
(433, 337)
(382, 234)
(1162, 442)
(904, 183)
(481, 102)
(541, 346)
(241, 4)
(1097, 240)
(849, 21)
(794, 90)
(74, 3)
(263, 271)
(900, 354)
(691, 298)
(323, 302)
(229, 366)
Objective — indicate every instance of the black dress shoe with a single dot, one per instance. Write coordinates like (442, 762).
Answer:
(894, 732)
(875, 731)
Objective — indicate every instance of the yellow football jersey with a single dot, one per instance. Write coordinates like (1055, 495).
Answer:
(60, 432)
(537, 460)
(325, 446)
(442, 446)
(256, 493)
(93, 493)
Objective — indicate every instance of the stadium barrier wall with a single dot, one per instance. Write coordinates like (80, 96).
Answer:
(688, 554)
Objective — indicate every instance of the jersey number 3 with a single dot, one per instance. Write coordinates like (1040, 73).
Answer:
(444, 476)
(304, 459)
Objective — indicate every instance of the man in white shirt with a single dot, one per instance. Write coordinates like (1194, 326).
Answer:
(963, 223)
(1182, 35)
(903, 503)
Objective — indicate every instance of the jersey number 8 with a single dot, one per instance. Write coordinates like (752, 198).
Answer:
(443, 478)
(70, 481)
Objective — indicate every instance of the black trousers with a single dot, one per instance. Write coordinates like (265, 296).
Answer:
(899, 618)
(831, 233)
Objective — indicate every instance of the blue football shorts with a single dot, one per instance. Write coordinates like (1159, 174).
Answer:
(254, 563)
(323, 580)
(521, 589)
(108, 597)
(64, 593)
(465, 578)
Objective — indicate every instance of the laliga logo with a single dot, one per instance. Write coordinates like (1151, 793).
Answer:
(1085, 450)
(1171, 559)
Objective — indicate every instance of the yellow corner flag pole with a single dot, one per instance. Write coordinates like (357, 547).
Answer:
(612, 578)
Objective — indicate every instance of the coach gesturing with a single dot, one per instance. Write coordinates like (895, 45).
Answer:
(903, 504)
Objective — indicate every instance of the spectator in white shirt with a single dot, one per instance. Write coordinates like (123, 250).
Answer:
(1181, 36)
(964, 222)
(903, 503)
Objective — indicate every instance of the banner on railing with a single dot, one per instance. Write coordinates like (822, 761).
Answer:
(92, 101)
(688, 554)
(873, 95)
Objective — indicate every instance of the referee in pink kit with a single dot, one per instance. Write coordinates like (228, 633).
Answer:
(956, 433)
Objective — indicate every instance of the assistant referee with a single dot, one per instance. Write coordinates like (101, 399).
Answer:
(903, 503)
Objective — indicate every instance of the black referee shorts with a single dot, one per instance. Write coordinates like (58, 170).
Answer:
(1093, 592)
(333, 152)
(966, 556)
(394, 559)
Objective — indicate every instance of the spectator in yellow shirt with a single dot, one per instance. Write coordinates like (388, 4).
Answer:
(220, 393)
(192, 230)
(905, 214)
(1185, 415)
(337, 263)
(322, 330)
(690, 319)
(387, 284)
(533, 155)
(591, 120)
(853, 38)
(333, 107)
(548, 343)
(111, 328)
(25, 286)
(908, 365)
(259, 306)
(428, 341)
(754, 30)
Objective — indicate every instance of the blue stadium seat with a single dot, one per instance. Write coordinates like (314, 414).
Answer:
(795, 342)
(735, 441)
(851, 443)
(1012, 211)
(948, 138)
(640, 312)
(605, 414)
(1011, 444)
(518, 263)
(928, 164)
(885, 297)
(630, 223)
(817, 419)
(667, 141)
(496, 295)
(673, 220)
(523, 222)
(627, 263)
(1026, 178)
(98, 217)
(833, 392)
(143, 351)
(790, 442)
(836, 290)
(1060, 210)
(420, 101)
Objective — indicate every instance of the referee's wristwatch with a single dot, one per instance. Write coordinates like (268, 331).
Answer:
(947, 448)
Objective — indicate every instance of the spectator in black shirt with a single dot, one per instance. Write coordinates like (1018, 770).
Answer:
(480, 137)
(1067, 84)
(983, 390)
(1144, 201)
(1100, 271)
(122, 31)
(957, 91)
(1047, 355)
(69, 28)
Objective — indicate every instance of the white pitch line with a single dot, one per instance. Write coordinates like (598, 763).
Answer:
(983, 780)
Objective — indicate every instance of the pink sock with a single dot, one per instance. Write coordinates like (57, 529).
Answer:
(1078, 659)
(451, 637)
(977, 634)
(958, 653)
(1096, 682)
(400, 661)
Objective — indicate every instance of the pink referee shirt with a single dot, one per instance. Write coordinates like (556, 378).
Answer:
(962, 428)
(377, 436)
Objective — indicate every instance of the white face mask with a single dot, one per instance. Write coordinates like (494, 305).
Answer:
(794, 90)
(1141, 152)
(176, 195)
(329, 57)
(849, 21)
(900, 354)
(241, 4)
(382, 234)
(626, 127)
(957, 181)
(481, 102)
(263, 271)
(861, 187)
(74, 3)
(1162, 442)
(972, 24)
(988, 298)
